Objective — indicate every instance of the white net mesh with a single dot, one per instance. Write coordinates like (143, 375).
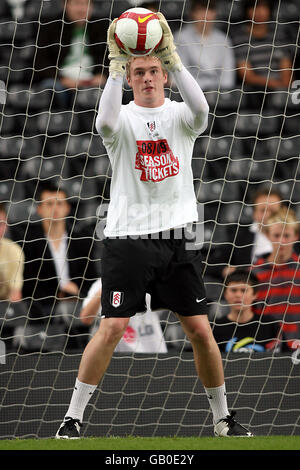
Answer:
(48, 135)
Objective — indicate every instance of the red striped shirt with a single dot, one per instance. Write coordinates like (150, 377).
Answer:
(278, 288)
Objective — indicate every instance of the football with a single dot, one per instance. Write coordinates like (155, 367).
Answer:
(138, 31)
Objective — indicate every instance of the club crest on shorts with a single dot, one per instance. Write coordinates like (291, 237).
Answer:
(116, 298)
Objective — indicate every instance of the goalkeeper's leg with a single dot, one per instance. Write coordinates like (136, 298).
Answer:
(94, 362)
(208, 362)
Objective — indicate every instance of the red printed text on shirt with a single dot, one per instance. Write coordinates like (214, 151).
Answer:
(156, 161)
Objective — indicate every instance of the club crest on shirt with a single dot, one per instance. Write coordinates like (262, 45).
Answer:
(151, 126)
(155, 160)
(116, 298)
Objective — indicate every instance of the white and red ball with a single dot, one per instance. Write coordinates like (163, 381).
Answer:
(138, 31)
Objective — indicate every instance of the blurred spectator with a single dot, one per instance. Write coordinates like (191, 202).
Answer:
(205, 50)
(15, 8)
(59, 262)
(143, 334)
(11, 261)
(262, 53)
(150, 5)
(242, 330)
(245, 243)
(71, 50)
(279, 275)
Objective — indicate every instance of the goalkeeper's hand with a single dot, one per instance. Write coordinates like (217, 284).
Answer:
(166, 51)
(117, 57)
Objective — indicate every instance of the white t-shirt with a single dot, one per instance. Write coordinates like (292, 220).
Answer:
(261, 245)
(143, 334)
(60, 260)
(152, 181)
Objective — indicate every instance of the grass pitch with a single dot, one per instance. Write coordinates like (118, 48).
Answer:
(158, 443)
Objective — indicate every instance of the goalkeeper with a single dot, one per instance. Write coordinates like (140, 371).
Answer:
(150, 144)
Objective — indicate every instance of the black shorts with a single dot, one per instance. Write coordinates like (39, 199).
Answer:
(164, 268)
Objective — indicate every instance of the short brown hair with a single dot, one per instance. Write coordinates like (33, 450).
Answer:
(132, 59)
(266, 191)
(242, 276)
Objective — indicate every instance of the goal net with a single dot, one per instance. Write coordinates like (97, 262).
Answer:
(48, 136)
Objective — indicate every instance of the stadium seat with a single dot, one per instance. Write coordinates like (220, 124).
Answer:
(39, 9)
(86, 212)
(87, 143)
(199, 167)
(21, 211)
(291, 125)
(102, 166)
(283, 149)
(103, 172)
(222, 146)
(10, 147)
(251, 169)
(8, 123)
(288, 189)
(7, 168)
(11, 190)
(12, 32)
(9, 76)
(228, 11)
(87, 98)
(283, 101)
(238, 169)
(119, 7)
(295, 193)
(217, 190)
(236, 212)
(224, 123)
(27, 51)
(86, 119)
(3, 11)
(55, 145)
(288, 11)
(211, 125)
(46, 167)
(83, 150)
(58, 123)
(213, 235)
(81, 187)
(230, 100)
(211, 98)
(31, 147)
(174, 10)
(253, 123)
(19, 97)
(211, 211)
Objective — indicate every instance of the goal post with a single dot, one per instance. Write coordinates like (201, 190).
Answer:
(252, 140)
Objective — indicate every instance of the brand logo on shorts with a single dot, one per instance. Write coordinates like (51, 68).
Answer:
(116, 298)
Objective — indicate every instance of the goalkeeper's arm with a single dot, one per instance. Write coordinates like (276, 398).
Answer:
(111, 100)
(188, 87)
